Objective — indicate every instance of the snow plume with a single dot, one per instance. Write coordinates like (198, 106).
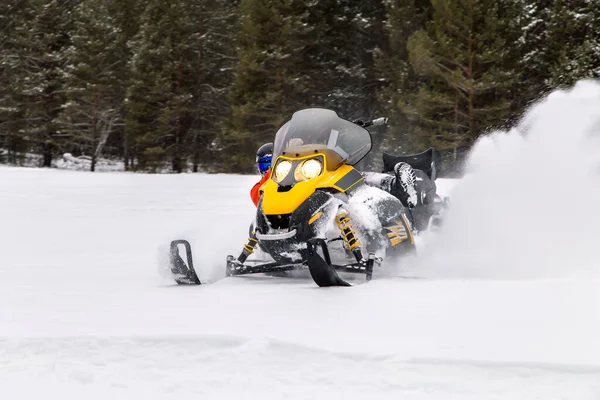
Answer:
(529, 205)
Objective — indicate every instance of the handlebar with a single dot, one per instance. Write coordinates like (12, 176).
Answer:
(375, 122)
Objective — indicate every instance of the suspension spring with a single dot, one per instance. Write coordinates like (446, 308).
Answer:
(248, 247)
(348, 234)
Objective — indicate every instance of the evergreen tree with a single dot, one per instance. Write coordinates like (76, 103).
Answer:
(469, 63)
(340, 56)
(181, 74)
(16, 19)
(36, 33)
(560, 44)
(159, 96)
(93, 81)
(574, 41)
(42, 87)
(534, 63)
(127, 15)
(405, 17)
(216, 27)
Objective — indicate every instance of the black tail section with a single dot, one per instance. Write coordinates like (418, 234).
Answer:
(184, 274)
(429, 161)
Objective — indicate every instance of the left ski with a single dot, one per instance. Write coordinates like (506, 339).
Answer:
(184, 274)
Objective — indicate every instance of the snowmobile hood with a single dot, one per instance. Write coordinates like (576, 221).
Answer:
(278, 199)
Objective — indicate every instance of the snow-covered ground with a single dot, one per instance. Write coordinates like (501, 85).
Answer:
(484, 312)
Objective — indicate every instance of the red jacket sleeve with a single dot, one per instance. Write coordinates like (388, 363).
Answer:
(255, 191)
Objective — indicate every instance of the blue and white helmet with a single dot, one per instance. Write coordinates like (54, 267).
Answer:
(264, 156)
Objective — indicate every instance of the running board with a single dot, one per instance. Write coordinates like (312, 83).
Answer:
(234, 268)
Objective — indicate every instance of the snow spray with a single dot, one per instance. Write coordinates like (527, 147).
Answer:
(529, 203)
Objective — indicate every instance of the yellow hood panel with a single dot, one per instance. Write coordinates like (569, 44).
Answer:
(275, 202)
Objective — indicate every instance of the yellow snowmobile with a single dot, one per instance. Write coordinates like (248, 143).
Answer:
(316, 212)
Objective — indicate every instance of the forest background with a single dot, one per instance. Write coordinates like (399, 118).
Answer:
(199, 85)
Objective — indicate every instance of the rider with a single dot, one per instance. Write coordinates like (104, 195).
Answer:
(263, 163)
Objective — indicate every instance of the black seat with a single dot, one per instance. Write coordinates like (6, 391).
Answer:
(429, 161)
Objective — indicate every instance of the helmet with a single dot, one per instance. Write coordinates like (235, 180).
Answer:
(263, 158)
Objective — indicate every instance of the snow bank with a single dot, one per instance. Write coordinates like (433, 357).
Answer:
(84, 163)
(529, 203)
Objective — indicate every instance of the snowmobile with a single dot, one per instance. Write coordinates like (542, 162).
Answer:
(316, 212)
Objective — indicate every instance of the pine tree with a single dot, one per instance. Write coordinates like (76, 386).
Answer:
(127, 15)
(574, 41)
(43, 84)
(560, 45)
(216, 26)
(340, 58)
(33, 69)
(534, 62)
(16, 20)
(465, 55)
(177, 100)
(93, 81)
(159, 96)
(405, 17)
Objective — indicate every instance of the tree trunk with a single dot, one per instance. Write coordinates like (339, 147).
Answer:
(125, 150)
(201, 75)
(471, 90)
(177, 164)
(47, 154)
(195, 155)
(94, 130)
(103, 137)
(456, 117)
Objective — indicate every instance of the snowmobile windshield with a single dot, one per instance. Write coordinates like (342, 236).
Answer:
(320, 128)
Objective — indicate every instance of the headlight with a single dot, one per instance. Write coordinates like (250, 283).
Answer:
(308, 169)
(282, 169)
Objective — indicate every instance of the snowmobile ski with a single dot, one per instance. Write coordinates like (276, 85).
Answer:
(320, 268)
(184, 274)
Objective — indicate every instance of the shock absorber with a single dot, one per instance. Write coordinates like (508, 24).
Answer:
(348, 234)
(248, 247)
